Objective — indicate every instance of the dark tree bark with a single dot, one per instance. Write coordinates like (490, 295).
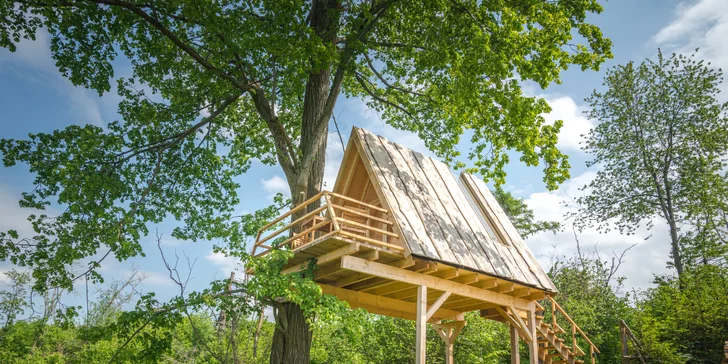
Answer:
(292, 337)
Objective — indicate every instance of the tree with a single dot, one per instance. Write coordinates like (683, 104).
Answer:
(522, 217)
(234, 82)
(661, 142)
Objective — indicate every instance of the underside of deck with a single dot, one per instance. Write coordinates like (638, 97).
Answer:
(385, 282)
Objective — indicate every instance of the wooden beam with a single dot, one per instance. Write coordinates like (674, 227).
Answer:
(504, 288)
(515, 357)
(326, 271)
(467, 278)
(448, 333)
(399, 274)
(435, 306)
(421, 326)
(384, 304)
(533, 345)
(521, 292)
(327, 257)
(351, 279)
(404, 262)
(487, 283)
(370, 255)
(522, 329)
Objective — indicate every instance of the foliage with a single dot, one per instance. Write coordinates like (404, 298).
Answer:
(695, 309)
(521, 215)
(436, 68)
(661, 143)
(593, 296)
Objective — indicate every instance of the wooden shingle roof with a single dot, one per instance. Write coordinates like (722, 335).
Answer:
(442, 220)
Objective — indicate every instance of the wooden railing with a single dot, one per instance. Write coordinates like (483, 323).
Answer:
(328, 214)
(626, 336)
(574, 330)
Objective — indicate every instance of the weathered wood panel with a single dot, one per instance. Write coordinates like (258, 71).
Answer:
(521, 254)
(490, 252)
(414, 192)
(455, 236)
(504, 245)
(417, 238)
(464, 235)
(436, 219)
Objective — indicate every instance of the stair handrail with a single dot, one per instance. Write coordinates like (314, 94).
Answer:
(574, 326)
(625, 334)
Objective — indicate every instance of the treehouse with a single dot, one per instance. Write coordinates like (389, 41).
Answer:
(400, 236)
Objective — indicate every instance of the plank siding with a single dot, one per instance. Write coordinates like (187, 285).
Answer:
(414, 192)
(452, 239)
(515, 238)
(434, 216)
(386, 174)
(467, 241)
(500, 266)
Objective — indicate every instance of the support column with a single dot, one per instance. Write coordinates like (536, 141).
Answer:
(515, 357)
(448, 333)
(421, 325)
(533, 345)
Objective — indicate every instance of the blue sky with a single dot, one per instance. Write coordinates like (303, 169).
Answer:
(34, 97)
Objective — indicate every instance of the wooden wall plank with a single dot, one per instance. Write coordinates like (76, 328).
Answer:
(462, 236)
(515, 238)
(415, 191)
(501, 267)
(488, 203)
(409, 233)
(520, 272)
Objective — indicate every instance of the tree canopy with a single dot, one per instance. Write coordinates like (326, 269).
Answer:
(661, 144)
(216, 84)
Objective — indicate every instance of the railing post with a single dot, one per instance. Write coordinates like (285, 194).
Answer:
(330, 208)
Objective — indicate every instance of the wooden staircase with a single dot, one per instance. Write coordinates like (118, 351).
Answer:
(552, 346)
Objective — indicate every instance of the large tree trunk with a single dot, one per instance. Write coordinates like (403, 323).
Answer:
(292, 337)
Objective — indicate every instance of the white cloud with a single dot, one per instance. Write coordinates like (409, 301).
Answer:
(698, 24)
(576, 125)
(274, 185)
(33, 61)
(225, 263)
(642, 262)
(692, 20)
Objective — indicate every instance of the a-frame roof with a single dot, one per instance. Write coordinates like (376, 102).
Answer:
(440, 219)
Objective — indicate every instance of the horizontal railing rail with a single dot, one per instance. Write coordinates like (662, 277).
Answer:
(328, 219)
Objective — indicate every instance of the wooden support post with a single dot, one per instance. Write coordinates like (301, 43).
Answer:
(515, 357)
(533, 345)
(448, 333)
(421, 325)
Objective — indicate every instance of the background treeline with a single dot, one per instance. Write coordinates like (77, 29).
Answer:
(674, 325)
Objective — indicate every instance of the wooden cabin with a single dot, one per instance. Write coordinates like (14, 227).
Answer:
(400, 236)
